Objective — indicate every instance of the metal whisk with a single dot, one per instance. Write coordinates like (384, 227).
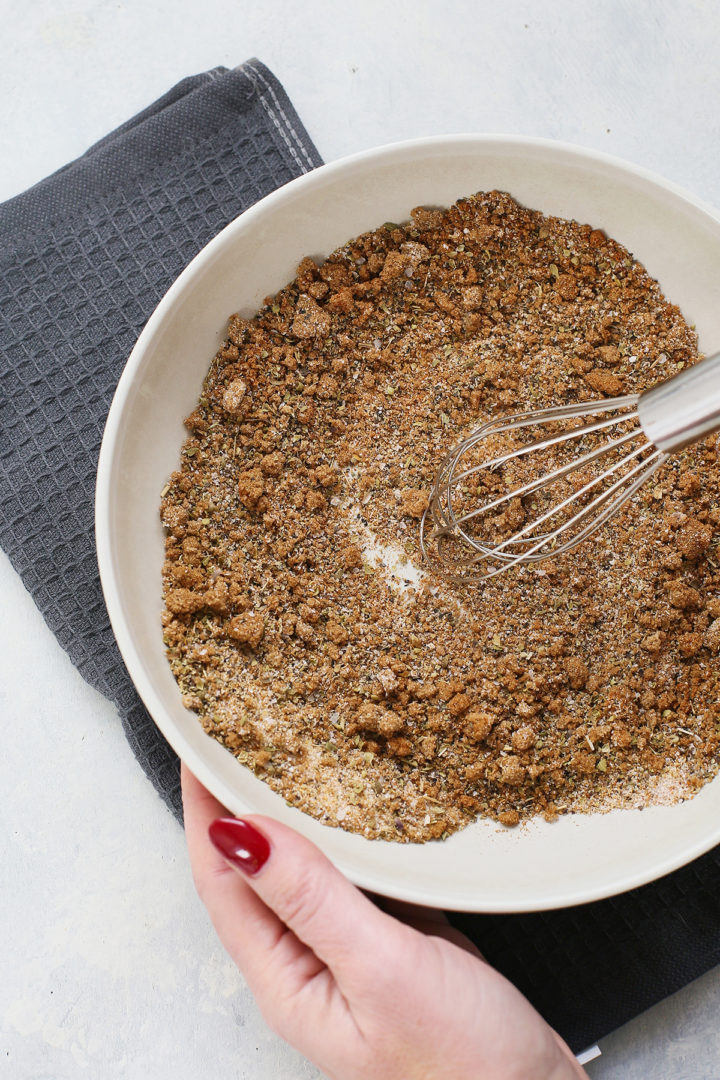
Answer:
(495, 506)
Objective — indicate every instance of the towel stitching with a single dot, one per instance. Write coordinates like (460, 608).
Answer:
(252, 72)
(29, 234)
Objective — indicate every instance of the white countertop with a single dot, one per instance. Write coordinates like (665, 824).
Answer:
(110, 967)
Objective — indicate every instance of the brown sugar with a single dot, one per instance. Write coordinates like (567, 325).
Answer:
(302, 625)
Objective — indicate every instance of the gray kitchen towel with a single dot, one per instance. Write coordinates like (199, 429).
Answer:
(85, 256)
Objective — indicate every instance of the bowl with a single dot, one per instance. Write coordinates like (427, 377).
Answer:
(484, 867)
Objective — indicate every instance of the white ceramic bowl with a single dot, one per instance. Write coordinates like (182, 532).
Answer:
(482, 868)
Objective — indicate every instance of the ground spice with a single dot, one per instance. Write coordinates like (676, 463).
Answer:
(300, 623)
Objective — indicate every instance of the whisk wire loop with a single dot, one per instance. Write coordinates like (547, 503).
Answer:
(533, 485)
(448, 526)
(644, 468)
(669, 416)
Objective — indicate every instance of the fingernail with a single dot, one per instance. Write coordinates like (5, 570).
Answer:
(241, 843)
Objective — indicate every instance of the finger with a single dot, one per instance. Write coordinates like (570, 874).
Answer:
(253, 935)
(311, 897)
(199, 809)
(427, 920)
(401, 909)
(224, 892)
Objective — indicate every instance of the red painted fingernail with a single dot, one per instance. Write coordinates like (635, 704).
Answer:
(241, 843)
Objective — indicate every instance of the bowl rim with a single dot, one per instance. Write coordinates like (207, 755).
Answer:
(614, 884)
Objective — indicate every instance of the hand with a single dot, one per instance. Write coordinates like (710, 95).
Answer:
(363, 995)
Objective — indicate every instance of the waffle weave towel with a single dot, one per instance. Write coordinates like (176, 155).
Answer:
(85, 256)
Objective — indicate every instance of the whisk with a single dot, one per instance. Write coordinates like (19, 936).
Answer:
(494, 506)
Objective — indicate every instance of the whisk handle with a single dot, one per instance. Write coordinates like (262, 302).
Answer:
(684, 409)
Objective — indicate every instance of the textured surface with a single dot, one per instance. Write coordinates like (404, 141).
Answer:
(89, 253)
(86, 256)
(111, 969)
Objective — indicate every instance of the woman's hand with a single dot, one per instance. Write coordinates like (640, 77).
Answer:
(363, 995)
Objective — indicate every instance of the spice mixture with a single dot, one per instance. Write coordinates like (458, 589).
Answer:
(303, 627)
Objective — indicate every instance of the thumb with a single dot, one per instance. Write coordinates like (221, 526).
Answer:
(310, 896)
